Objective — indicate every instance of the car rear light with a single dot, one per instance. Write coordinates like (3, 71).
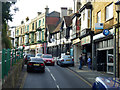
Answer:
(29, 63)
(42, 64)
(72, 59)
(62, 60)
(25, 58)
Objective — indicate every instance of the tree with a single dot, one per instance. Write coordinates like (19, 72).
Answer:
(6, 16)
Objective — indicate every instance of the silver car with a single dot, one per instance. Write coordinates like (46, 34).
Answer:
(65, 60)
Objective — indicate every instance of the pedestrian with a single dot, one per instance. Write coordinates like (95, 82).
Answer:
(89, 62)
(80, 59)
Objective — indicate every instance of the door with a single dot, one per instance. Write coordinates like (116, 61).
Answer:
(110, 61)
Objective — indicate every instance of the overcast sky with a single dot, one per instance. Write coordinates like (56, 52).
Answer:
(31, 7)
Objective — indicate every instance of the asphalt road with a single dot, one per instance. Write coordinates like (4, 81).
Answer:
(55, 77)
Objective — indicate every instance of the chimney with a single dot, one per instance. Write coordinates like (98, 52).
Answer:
(46, 10)
(70, 11)
(63, 11)
(39, 13)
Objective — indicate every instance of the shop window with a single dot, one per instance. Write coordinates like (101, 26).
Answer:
(110, 43)
(100, 44)
(105, 44)
(110, 68)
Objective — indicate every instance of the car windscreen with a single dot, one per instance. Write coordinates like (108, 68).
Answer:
(66, 56)
(30, 55)
(39, 54)
(47, 56)
(37, 59)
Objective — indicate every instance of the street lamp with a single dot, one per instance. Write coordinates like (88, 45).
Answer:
(60, 42)
(117, 7)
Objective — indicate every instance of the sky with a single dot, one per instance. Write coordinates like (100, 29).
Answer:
(31, 7)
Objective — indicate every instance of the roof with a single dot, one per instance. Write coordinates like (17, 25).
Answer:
(51, 28)
(68, 20)
(57, 28)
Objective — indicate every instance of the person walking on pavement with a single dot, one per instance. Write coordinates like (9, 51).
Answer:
(80, 59)
(89, 62)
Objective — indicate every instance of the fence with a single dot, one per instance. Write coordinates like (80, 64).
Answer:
(9, 58)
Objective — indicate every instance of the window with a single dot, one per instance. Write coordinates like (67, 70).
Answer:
(99, 17)
(43, 21)
(83, 15)
(21, 30)
(27, 27)
(43, 35)
(109, 12)
(17, 32)
(33, 26)
(39, 35)
(39, 22)
(36, 24)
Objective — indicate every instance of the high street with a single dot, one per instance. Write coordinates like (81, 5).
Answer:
(55, 77)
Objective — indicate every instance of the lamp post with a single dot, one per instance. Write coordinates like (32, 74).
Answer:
(117, 7)
(60, 42)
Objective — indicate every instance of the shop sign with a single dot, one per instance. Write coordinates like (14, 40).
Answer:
(32, 46)
(85, 40)
(76, 41)
(39, 45)
(106, 32)
(98, 25)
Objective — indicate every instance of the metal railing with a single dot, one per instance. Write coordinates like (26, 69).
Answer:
(10, 57)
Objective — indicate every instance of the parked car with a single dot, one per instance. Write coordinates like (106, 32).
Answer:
(27, 57)
(106, 83)
(65, 60)
(38, 55)
(36, 64)
(48, 59)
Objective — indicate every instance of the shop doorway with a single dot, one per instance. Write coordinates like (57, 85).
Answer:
(102, 60)
(110, 61)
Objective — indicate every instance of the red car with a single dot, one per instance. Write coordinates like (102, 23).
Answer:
(48, 59)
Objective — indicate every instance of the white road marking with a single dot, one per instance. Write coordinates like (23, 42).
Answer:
(53, 77)
(48, 69)
(58, 87)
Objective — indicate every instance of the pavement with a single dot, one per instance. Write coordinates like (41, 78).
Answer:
(89, 74)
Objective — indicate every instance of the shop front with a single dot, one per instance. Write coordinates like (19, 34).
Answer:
(26, 49)
(32, 49)
(104, 52)
(76, 48)
(86, 48)
(39, 48)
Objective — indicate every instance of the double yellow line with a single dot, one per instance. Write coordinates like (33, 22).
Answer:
(80, 78)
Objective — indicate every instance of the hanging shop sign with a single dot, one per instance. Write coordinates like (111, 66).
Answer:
(85, 40)
(32, 46)
(76, 41)
(39, 45)
(106, 32)
(98, 25)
